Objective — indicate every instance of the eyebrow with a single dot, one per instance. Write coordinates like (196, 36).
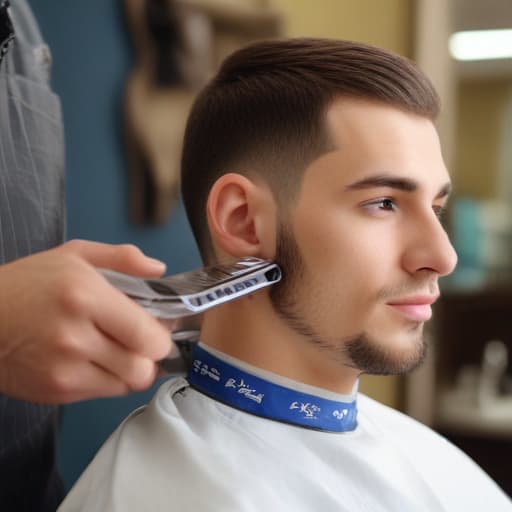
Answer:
(404, 184)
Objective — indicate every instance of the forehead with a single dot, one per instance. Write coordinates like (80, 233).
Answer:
(373, 138)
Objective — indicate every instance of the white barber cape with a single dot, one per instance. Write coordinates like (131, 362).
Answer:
(188, 452)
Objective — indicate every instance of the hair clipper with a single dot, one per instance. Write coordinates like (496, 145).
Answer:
(188, 294)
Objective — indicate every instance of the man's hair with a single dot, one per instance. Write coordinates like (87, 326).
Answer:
(263, 114)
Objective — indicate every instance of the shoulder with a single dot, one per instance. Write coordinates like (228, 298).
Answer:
(154, 454)
(377, 414)
(395, 426)
(440, 463)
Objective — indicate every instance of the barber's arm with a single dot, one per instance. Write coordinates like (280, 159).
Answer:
(68, 335)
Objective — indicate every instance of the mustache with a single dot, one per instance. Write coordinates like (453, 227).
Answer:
(427, 285)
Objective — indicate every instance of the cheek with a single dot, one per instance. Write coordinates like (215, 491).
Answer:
(342, 248)
(349, 261)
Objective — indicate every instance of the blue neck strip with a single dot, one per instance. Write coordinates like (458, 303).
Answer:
(247, 392)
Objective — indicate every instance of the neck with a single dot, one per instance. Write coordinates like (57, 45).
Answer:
(250, 330)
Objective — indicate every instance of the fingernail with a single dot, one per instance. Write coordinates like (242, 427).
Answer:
(160, 265)
(174, 352)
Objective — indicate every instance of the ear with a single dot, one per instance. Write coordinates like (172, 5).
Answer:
(242, 217)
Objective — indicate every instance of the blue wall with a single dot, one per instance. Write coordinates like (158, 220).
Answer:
(91, 60)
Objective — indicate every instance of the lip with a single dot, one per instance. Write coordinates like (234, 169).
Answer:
(417, 308)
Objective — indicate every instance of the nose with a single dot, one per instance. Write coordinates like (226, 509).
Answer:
(429, 248)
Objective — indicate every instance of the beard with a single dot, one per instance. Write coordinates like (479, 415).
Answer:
(360, 351)
(368, 356)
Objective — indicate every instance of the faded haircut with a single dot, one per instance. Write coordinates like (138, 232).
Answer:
(263, 114)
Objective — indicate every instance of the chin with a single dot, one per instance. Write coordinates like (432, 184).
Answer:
(388, 355)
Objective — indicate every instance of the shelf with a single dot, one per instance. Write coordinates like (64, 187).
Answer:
(458, 413)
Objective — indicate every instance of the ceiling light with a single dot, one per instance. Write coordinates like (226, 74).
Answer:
(481, 44)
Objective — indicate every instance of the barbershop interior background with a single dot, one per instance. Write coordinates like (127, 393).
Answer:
(121, 184)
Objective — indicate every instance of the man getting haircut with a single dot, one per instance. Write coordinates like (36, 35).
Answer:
(323, 156)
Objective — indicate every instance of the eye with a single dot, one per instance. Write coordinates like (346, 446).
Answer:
(385, 204)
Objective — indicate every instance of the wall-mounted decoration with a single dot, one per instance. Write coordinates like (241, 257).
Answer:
(179, 44)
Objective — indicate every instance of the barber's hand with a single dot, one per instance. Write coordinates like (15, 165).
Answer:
(66, 334)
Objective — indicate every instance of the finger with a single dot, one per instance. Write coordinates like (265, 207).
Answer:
(128, 324)
(137, 372)
(122, 258)
(101, 384)
(84, 381)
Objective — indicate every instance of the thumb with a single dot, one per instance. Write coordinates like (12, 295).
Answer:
(125, 258)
